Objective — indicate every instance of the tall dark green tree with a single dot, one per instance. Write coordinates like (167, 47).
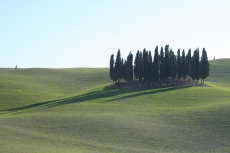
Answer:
(151, 68)
(179, 69)
(162, 68)
(183, 65)
(145, 65)
(118, 66)
(171, 60)
(167, 66)
(112, 69)
(174, 67)
(140, 68)
(122, 69)
(204, 66)
(130, 62)
(156, 64)
(197, 65)
(194, 67)
(189, 64)
(127, 72)
(136, 65)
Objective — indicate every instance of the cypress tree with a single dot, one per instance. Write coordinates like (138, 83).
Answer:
(130, 62)
(204, 66)
(118, 66)
(122, 69)
(171, 60)
(179, 75)
(151, 68)
(162, 68)
(127, 72)
(140, 68)
(145, 65)
(174, 67)
(156, 64)
(183, 66)
(111, 68)
(197, 65)
(167, 67)
(194, 65)
(189, 64)
(136, 65)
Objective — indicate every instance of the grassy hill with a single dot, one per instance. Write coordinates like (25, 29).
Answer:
(73, 110)
(23, 87)
(220, 72)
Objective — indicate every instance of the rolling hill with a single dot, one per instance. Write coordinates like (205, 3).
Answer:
(73, 110)
(220, 72)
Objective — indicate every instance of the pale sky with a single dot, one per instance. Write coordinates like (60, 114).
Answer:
(73, 33)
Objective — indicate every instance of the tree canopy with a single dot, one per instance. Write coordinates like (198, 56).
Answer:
(165, 66)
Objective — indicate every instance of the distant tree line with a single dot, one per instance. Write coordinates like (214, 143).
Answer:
(163, 67)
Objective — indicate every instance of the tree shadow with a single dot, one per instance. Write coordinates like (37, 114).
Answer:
(94, 95)
(54, 103)
(156, 90)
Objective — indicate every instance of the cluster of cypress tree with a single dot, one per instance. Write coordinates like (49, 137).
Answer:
(164, 67)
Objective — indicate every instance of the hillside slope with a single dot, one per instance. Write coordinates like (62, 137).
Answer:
(220, 71)
(94, 118)
(22, 87)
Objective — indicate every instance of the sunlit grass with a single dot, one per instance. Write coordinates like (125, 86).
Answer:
(73, 110)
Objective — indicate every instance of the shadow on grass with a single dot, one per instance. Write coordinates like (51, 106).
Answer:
(94, 95)
(153, 91)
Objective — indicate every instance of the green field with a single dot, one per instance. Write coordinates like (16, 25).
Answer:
(75, 110)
